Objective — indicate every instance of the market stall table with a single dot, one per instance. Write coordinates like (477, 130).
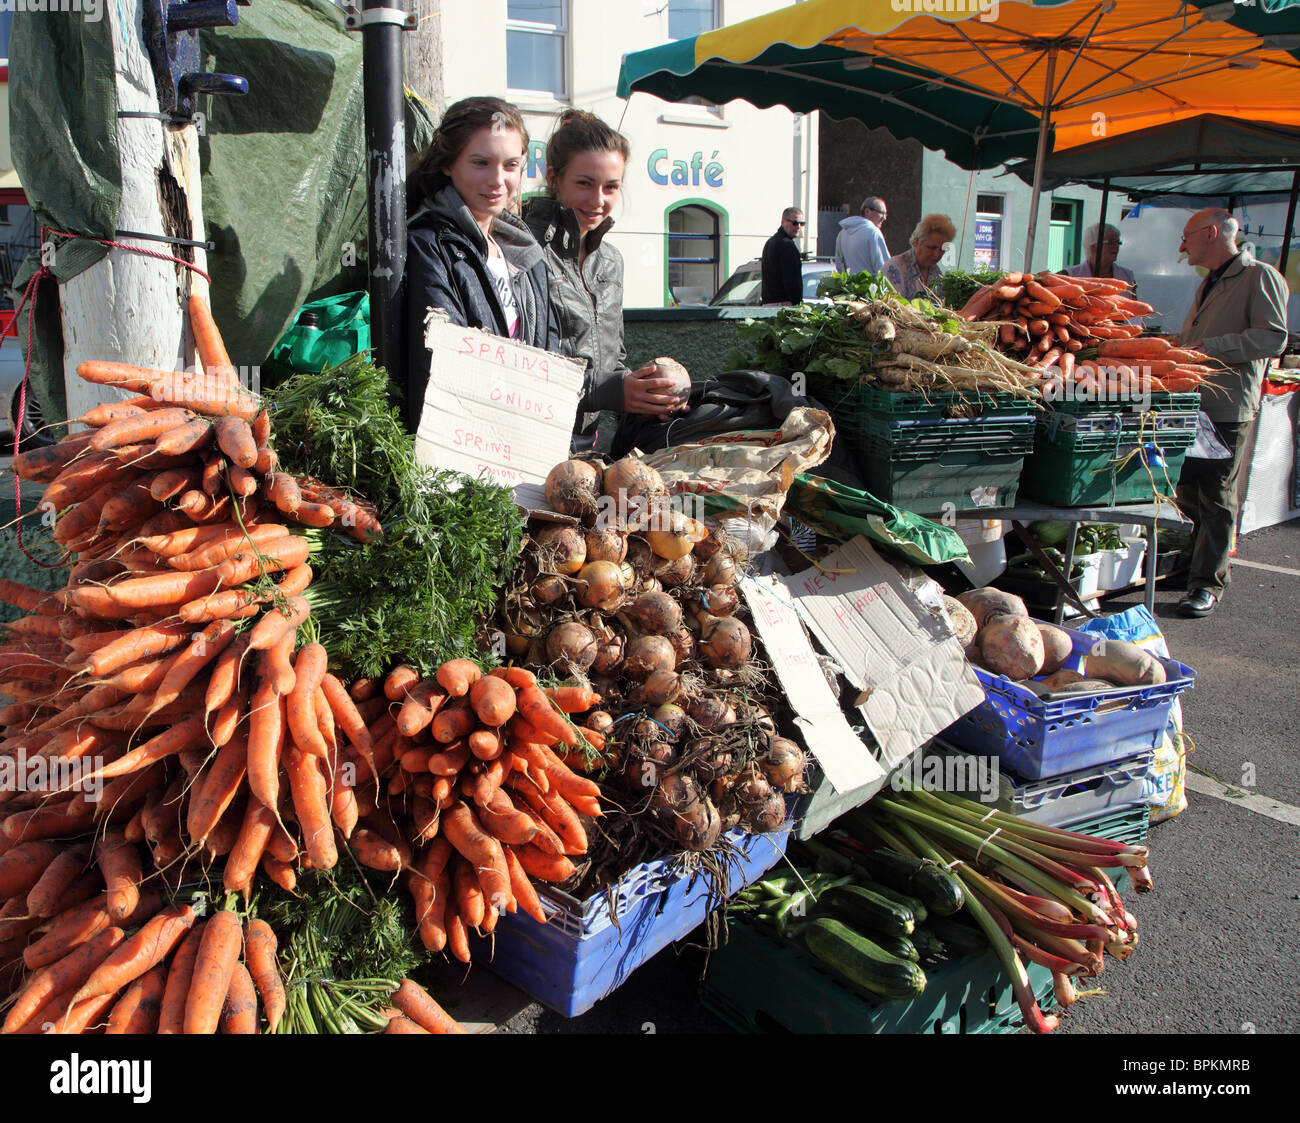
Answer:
(1160, 515)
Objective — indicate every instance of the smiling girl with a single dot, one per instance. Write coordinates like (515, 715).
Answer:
(585, 163)
(466, 253)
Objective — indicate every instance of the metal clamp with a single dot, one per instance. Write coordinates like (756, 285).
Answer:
(209, 246)
(355, 21)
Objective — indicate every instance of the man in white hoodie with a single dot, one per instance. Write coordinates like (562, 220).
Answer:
(860, 245)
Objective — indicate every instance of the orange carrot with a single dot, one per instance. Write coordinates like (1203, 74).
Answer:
(486, 744)
(462, 829)
(282, 490)
(544, 867)
(272, 626)
(213, 967)
(418, 1005)
(144, 427)
(375, 852)
(398, 682)
(573, 699)
(402, 1024)
(504, 821)
(347, 716)
(260, 955)
(309, 669)
(493, 701)
(456, 676)
(311, 804)
(277, 663)
(246, 854)
(143, 951)
(523, 889)
(119, 862)
(65, 867)
(22, 866)
(239, 1011)
(454, 721)
(138, 1009)
(63, 976)
(536, 709)
(185, 439)
(423, 700)
(180, 973)
(208, 343)
(235, 439)
(266, 724)
(279, 872)
(457, 933)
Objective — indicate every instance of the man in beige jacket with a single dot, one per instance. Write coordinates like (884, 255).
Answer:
(1238, 318)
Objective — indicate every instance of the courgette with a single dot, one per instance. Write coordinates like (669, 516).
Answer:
(864, 909)
(921, 878)
(863, 962)
(900, 946)
(960, 939)
(918, 909)
(927, 944)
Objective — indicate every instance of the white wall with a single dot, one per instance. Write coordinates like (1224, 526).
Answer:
(751, 151)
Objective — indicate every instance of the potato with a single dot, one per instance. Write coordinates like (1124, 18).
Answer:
(1124, 663)
(963, 622)
(1057, 646)
(1012, 646)
(1060, 679)
(986, 603)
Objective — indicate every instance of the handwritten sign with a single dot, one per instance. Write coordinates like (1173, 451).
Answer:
(845, 760)
(493, 406)
(914, 678)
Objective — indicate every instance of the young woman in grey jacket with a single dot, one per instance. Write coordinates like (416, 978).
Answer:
(585, 162)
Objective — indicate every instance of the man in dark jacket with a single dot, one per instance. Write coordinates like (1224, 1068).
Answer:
(782, 270)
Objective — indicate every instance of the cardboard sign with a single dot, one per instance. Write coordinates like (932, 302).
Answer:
(844, 759)
(493, 406)
(915, 679)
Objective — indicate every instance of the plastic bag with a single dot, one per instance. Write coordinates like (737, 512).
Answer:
(1165, 792)
(324, 334)
(1207, 446)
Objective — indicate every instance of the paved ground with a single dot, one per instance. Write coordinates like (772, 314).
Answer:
(1220, 937)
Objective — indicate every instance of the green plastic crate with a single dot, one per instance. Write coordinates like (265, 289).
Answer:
(1070, 470)
(929, 484)
(759, 983)
(853, 403)
(947, 434)
(1161, 401)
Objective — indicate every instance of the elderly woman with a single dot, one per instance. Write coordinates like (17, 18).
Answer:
(1105, 267)
(916, 272)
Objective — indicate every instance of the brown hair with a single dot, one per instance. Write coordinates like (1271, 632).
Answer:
(580, 131)
(461, 121)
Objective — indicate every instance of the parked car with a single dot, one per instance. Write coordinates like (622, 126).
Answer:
(745, 285)
(11, 380)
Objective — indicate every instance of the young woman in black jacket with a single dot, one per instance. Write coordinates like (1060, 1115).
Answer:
(585, 162)
(466, 253)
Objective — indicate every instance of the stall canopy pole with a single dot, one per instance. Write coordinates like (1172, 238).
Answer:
(382, 23)
(1043, 125)
(1290, 223)
(1101, 228)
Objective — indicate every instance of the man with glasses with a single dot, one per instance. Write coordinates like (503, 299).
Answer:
(782, 264)
(860, 246)
(1238, 317)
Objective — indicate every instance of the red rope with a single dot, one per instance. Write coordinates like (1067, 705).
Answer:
(30, 292)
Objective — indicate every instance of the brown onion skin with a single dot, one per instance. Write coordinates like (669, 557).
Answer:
(684, 644)
(720, 570)
(639, 554)
(768, 816)
(647, 654)
(633, 478)
(657, 613)
(725, 642)
(600, 721)
(567, 544)
(698, 828)
(600, 585)
(573, 486)
(550, 589)
(571, 643)
(660, 687)
(721, 600)
(609, 655)
(783, 764)
(708, 711)
(606, 545)
(678, 571)
(713, 541)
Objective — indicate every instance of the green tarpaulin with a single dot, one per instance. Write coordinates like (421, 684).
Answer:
(283, 167)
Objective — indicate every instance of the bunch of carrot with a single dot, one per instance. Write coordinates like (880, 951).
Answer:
(1146, 363)
(1048, 318)
(163, 697)
(469, 800)
(176, 973)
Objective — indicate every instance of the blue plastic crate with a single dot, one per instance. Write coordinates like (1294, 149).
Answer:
(1037, 737)
(580, 955)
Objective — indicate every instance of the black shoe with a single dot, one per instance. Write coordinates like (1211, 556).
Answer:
(1199, 602)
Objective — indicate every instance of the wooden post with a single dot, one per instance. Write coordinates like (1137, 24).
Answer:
(128, 307)
(424, 55)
